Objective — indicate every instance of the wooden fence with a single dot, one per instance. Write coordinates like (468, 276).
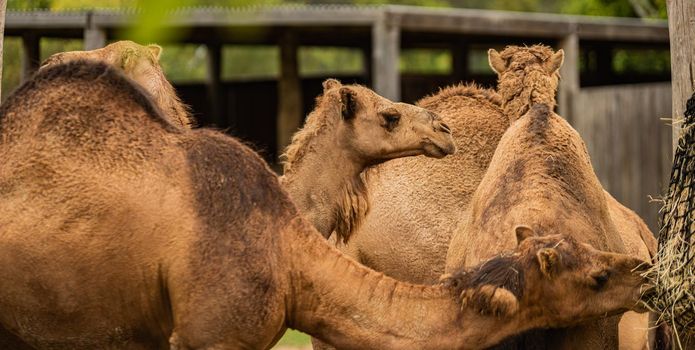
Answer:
(629, 144)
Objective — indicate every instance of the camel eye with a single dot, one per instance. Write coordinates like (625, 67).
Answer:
(600, 279)
(391, 120)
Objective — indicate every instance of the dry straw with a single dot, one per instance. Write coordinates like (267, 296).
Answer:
(674, 270)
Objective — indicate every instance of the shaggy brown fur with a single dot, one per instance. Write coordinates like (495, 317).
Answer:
(140, 63)
(527, 75)
(350, 129)
(120, 230)
(551, 187)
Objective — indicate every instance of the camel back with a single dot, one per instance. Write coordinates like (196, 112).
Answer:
(84, 122)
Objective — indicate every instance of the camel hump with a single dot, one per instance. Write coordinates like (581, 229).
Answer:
(468, 90)
(83, 82)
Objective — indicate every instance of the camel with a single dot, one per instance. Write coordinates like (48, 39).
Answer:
(541, 177)
(352, 128)
(140, 63)
(186, 240)
(400, 238)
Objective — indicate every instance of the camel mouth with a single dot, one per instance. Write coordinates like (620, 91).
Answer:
(434, 150)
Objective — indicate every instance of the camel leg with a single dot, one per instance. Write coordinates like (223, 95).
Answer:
(633, 331)
(319, 345)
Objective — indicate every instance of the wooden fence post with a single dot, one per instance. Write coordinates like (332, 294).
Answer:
(386, 44)
(290, 109)
(93, 36)
(31, 54)
(681, 28)
(569, 84)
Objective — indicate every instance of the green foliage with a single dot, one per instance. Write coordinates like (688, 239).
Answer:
(29, 4)
(241, 62)
(90, 4)
(599, 8)
(11, 61)
(641, 61)
(188, 62)
(49, 46)
(184, 63)
(150, 19)
(428, 3)
(330, 60)
(294, 338)
(426, 61)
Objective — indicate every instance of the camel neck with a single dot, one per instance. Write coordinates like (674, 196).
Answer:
(339, 301)
(323, 180)
(517, 103)
(174, 108)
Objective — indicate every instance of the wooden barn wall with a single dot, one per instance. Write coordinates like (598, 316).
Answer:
(249, 108)
(629, 144)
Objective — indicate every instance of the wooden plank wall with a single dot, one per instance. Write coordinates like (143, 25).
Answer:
(629, 144)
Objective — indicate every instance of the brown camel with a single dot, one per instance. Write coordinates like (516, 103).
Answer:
(121, 230)
(540, 177)
(140, 63)
(350, 129)
(400, 237)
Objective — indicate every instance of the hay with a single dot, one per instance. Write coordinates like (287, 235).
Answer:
(674, 270)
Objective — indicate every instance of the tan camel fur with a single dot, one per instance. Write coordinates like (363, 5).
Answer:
(400, 237)
(121, 230)
(551, 187)
(350, 129)
(140, 63)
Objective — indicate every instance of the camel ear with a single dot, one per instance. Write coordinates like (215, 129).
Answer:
(348, 101)
(127, 58)
(496, 62)
(548, 260)
(156, 50)
(523, 232)
(330, 84)
(555, 61)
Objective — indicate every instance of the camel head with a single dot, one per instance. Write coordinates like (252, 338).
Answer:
(553, 281)
(139, 63)
(375, 129)
(526, 75)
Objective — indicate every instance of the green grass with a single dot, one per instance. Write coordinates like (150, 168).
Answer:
(294, 338)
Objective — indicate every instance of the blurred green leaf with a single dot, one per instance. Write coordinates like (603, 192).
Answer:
(150, 24)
